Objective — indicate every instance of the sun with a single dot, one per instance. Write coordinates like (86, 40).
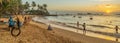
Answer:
(108, 11)
(108, 8)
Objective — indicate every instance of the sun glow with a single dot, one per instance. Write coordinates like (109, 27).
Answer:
(108, 11)
(108, 8)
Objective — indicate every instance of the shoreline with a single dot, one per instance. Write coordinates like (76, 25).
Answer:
(36, 32)
(114, 36)
(76, 36)
(98, 32)
(103, 33)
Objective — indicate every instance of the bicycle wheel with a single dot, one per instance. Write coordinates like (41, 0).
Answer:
(15, 31)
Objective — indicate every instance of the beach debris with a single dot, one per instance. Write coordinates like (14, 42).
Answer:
(79, 17)
(49, 27)
(74, 16)
(110, 21)
(91, 18)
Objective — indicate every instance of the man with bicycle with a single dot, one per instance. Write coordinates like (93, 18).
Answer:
(11, 23)
(15, 31)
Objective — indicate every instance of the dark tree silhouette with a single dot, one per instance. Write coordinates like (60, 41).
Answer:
(33, 4)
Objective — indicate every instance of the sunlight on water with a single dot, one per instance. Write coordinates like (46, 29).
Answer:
(99, 23)
(105, 24)
(107, 30)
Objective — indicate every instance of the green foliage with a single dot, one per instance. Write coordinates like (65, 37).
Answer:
(5, 3)
(9, 7)
(13, 7)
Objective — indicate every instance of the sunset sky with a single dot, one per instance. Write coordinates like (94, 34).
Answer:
(107, 6)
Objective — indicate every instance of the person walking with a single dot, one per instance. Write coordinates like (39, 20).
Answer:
(84, 28)
(77, 25)
(116, 29)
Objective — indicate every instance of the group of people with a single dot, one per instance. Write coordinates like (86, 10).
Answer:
(18, 21)
(12, 22)
(84, 28)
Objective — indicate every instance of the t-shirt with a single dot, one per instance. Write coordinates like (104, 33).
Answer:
(11, 22)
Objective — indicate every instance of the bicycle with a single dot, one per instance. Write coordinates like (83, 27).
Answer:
(15, 31)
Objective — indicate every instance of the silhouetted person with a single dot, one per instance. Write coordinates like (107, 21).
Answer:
(84, 28)
(117, 39)
(77, 25)
(18, 23)
(116, 28)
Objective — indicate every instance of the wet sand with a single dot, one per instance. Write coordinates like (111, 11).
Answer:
(37, 33)
(75, 36)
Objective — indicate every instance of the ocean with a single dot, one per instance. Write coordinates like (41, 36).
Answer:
(99, 26)
(98, 23)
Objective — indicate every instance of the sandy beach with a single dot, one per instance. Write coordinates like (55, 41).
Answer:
(35, 32)
(32, 34)
(59, 21)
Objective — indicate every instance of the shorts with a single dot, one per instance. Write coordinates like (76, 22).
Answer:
(20, 24)
(11, 25)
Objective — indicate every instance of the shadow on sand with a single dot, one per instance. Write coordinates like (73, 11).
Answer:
(4, 29)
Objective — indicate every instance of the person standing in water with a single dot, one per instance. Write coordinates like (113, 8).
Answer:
(77, 25)
(116, 29)
(84, 28)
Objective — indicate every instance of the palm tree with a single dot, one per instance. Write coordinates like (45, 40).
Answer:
(0, 9)
(33, 4)
(27, 5)
(40, 9)
(45, 9)
(4, 6)
(45, 6)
